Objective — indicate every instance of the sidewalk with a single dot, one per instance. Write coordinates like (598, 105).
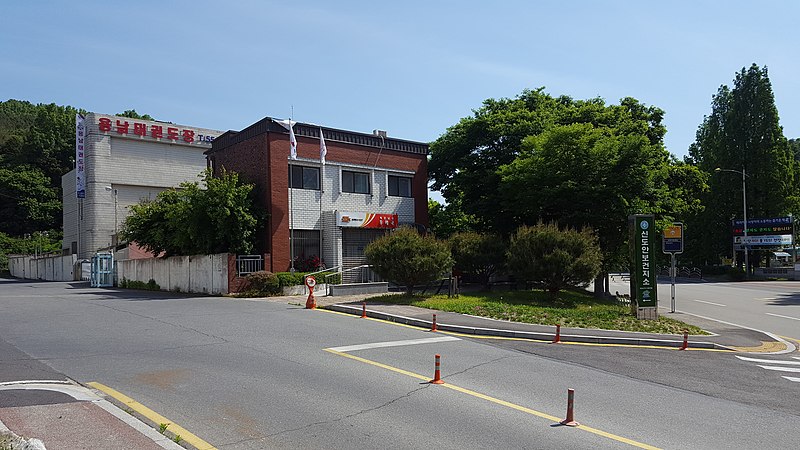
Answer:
(64, 415)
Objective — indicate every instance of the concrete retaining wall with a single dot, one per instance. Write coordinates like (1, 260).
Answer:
(49, 268)
(201, 274)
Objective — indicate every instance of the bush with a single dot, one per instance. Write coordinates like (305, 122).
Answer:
(556, 258)
(735, 274)
(299, 278)
(263, 283)
(406, 258)
(477, 254)
(151, 285)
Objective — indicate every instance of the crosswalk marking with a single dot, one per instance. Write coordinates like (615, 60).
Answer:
(769, 361)
(782, 369)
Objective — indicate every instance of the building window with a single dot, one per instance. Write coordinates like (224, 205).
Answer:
(399, 186)
(301, 177)
(307, 250)
(356, 182)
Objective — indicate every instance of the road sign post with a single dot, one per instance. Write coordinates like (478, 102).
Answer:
(672, 244)
(644, 286)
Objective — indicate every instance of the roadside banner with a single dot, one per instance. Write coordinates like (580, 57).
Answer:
(80, 136)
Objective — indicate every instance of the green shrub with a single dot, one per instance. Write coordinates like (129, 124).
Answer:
(299, 278)
(263, 283)
(135, 284)
(735, 274)
(556, 258)
(406, 258)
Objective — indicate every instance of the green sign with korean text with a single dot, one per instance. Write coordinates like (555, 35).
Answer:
(644, 243)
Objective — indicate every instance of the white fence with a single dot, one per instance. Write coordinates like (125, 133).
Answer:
(203, 274)
(49, 268)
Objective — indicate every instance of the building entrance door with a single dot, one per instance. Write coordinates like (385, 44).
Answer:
(354, 241)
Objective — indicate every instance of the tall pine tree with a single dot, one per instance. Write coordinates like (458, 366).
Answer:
(742, 133)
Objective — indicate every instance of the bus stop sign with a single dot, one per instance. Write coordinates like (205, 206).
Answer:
(672, 239)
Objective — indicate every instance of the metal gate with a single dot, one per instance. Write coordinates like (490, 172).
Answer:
(102, 270)
(354, 241)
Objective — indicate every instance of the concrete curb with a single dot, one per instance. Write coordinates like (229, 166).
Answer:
(532, 335)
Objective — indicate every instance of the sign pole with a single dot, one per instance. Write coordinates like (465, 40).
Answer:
(672, 272)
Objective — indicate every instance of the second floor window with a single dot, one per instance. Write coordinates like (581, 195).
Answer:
(301, 177)
(399, 186)
(356, 182)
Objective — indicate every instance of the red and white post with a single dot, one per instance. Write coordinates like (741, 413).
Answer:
(570, 420)
(437, 375)
(363, 310)
(557, 337)
(685, 340)
(433, 324)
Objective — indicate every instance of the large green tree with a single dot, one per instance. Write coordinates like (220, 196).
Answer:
(742, 133)
(193, 220)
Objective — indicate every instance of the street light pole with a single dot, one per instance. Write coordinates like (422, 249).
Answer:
(744, 216)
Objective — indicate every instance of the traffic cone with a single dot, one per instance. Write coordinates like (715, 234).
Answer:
(437, 376)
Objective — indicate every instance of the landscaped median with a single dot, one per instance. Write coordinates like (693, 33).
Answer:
(573, 309)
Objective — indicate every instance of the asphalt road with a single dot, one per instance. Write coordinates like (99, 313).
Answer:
(246, 374)
(772, 306)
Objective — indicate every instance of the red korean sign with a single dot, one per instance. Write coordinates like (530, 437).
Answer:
(366, 220)
(123, 127)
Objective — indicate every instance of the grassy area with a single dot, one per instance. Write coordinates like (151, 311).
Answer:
(571, 309)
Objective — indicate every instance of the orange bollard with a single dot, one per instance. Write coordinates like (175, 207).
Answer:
(433, 324)
(311, 301)
(557, 337)
(685, 340)
(364, 310)
(570, 420)
(437, 376)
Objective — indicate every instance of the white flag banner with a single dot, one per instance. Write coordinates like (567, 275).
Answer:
(80, 136)
(289, 125)
(292, 143)
(323, 150)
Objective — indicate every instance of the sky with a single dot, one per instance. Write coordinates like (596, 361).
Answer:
(411, 68)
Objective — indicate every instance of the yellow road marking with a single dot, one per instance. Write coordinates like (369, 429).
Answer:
(765, 347)
(495, 400)
(505, 338)
(155, 417)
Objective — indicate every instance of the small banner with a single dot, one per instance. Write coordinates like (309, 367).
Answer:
(80, 136)
(366, 220)
(644, 287)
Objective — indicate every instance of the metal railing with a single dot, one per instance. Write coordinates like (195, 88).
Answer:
(358, 274)
(247, 264)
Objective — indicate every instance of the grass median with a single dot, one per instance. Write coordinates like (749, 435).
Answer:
(573, 309)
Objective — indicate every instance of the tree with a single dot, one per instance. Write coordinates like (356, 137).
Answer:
(131, 113)
(27, 202)
(191, 220)
(742, 133)
(445, 220)
(407, 258)
(481, 255)
(583, 175)
(556, 258)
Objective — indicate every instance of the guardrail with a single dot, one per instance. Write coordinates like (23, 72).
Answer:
(247, 264)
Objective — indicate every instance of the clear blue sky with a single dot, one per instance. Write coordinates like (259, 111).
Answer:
(411, 68)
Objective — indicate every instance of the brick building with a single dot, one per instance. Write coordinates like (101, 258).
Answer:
(124, 161)
(369, 184)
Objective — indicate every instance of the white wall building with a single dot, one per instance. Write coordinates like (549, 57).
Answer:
(126, 160)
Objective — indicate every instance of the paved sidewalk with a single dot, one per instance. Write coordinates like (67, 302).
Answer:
(63, 415)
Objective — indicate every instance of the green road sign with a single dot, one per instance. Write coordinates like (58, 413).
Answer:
(643, 241)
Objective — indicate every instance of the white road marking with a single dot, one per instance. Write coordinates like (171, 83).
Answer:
(766, 298)
(785, 317)
(782, 369)
(769, 361)
(351, 348)
(795, 379)
(710, 303)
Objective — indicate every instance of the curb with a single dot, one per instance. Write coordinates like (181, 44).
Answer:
(531, 335)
